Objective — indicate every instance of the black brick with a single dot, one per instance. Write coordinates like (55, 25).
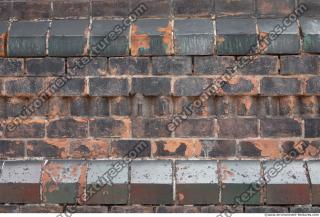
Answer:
(67, 128)
(128, 65)
(108, 87)
(304, 64)
(152, 86)
(45, 66)
(312, 128)
(280, 127)
(280, 86)
(188, 8)
(171, 66)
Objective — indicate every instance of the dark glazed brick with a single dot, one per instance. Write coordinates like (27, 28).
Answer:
(189, 8)
(6, 10)
(155, 127)
(26, 129)
(71, 8)
(11, 67)
(234, 8)
(108, 38)
(274, 8)
(151, 37)
(97, 66)
(302, 64)
(266, 209)
(273, 86)
(237, 127)
(121, 148)
(258, 65)
(67, 128)
(212, 65)
(31, 9)
(177, 209)
(190, 86)
(3, 36)
(46, 208)
(11, 149)
(20, 182)
(9, 208)
(88, 209)
(93, 106)
(314, 169)
(68, 38)
(73, 87)
(28, 38)
(131, 209)
(311, 34)
(108, 87)
(152, 8)
(99, 172)
(312, 128)
(280, 127)
(286, 43)
(151, 182)
(196, 128)
(47, 148)
(48, 66)
(152, 86)
(63, 181)
(110, 8)
(236, 36)
(171, 65)
(24, 86)
(313, 86)
(193, 37)
(108, 127)
(218, 148)
(313, 7)
(128, 65)
(197, 182)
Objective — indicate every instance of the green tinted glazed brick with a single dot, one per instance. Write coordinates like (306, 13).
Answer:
(311, 34)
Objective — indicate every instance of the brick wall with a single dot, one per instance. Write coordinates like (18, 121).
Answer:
(75, 105)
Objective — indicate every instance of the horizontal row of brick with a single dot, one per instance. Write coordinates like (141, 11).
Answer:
(153, 107)
(164, 65)
(33, 9)
(160, 86)
(155, 148)
(161, 182)
(158, 127)
(46, 208)
(158, 37)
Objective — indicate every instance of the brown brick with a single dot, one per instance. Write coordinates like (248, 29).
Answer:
(68, 128)
(47, 208)
(31, 9)
(121, 148)
(88, 209)
(26, 129)
(11, 149)
(109, 127)
(241, 86)
(131, 209)
(150, 127)
(280, 127)
(71, 8)
(237, 127)
(177, 209)
(174, 148)
(89, 148)
(274, 8)
(217, 148)
(260, 148)
(9, 209)
(200, 127)
(52, 148)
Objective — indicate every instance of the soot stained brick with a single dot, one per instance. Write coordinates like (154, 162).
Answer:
(68, 128)
(273, 86)
(110, 8)
(189, 8)
(108, 87)
(243, 8)
(49, 66)
(128, 65)
(152, 86)
(11, 67)
(280, 127)
(311, 33)
(171, 65)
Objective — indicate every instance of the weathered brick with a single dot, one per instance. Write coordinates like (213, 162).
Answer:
(25, 129)
(57, 148)
(218, 148)
(313, 168)
(15, 106)
(110, 8)
(240, 182)
(304, 209)
(68, 38)
(274, 8)
(71, 8)
(31, 9)
(151, 182)
(288, 105)
(191, 86)
(109, 38)
(150, 127)
(129, 65)
(313, 86)
(162, 106)
(151, 37)
(120, 106)
(222, 209)
(3, 36)
(266, 209)
(234, 8)
(311, 34)
(258, 65)
(286, 183)
(131, 209)
(20, 182)
(5, 10)
(24, 86)
(28, 38)
(312, 127)
(272, 86)
(175, 148)
(313, 7)
(73, 87)
(151, 86)
(152, 8)
(88, 209)
(177, 209)
(68, 128)
(167, 65)
(269, 149)
(223, 106)
(301, 149)
(100, 176)
(200, 127)
(237, 127)
(280, 127)
(63, 181)
(58, 106)
(188, 8)
(9, 208)
(96, 66)
(109, 127)
(49, 66)
(11, 149)
(308, 105)
(136, 148)
(271, 42)
(197, 182)
(108, 87)
(41, 208)
(11, 67)
(304, 64)
(93, 106)
(193, 37)
(247, 105)
(212, 65)
(89, 148)
(236, 36)
(241, 86)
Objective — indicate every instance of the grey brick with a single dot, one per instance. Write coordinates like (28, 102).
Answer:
(108, 87)
(190, 86)
(171, 65)
(272, 86)
(313, 85)
(280, 127)
(212, 65)
(302, 64)
(97, 66)
(48, 66)
(110, 8)
(190, 8)
(151, 86)
(312, 127)
(243, 8)
(129, 65)
(313, 8)
(11, 67)
(152, 8)
(3, 36)
(311, 34)
(314, 170)
(266, 209)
